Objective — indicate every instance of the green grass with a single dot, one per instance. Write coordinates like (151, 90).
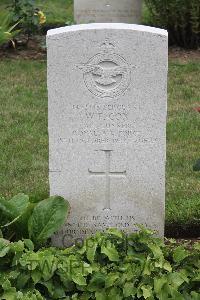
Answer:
(57, 11)
(183, 144)
(23, 128)
(24, 139)
(3, 8)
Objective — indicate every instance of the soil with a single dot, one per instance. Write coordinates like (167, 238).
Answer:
(35, 49)
(184, 55)
(178, 231)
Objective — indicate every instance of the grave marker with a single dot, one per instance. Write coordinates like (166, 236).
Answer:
(107, 89)
(107, 11)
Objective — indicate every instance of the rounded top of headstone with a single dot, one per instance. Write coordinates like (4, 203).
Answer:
(103, 26)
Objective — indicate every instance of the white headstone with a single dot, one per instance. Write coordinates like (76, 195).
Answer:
(107, 88)
(107, 11)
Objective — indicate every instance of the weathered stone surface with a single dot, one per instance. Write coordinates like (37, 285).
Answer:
(107, 11)
(107, 88)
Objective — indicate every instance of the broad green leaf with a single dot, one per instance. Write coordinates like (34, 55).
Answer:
(81, 249)
(91, 247)
(22, 223)
(86, 268)
(79, 279)
(180, 254)
(167, 266)
(29, 244)
(147, 267)
(50, 286)
(156, 250)
(97, 282)
(59, 292)
(111, 279)
(109, 250)
(48, 216)
(144, 231)
(176, 279)
(6, 208)
(36, 276)
(22, 280)
(17, 246)
(74, 297)
(184, 275)
(129, 289)
(197, 277)
(159, 283)
(99, 237)
(115, 293)
(14, 209)
(3, 242)
(48, 265)
(30, 260)
(19, 204)
(147, 291)
(85, 296)
(195, 296)
(115, 232)
(6, 285)
(101, 295)
(9, 295)
(4, 251)
(176, 294)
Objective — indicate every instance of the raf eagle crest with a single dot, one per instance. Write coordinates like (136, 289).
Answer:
(106, 74)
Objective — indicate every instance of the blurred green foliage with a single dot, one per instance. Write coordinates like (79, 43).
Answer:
(180, 17)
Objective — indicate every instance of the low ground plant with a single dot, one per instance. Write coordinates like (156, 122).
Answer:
(28, 14)
(56, 12)
(7, 31)
(21, 218)
(107, 266)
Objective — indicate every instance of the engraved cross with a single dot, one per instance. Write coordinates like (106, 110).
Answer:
(108, 175)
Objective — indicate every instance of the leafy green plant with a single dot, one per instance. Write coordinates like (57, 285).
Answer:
(107, 266)
(180, 17)
(29, 15)
(22, 219)
(7, 31)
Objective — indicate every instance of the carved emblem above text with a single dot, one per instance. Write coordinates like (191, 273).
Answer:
(106, 74)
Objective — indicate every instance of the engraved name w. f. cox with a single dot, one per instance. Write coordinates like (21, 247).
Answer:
(106, 74)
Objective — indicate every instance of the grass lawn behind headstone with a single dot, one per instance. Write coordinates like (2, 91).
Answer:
(24, 139)
(183, 145)
(23, 128)
(57, 11)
